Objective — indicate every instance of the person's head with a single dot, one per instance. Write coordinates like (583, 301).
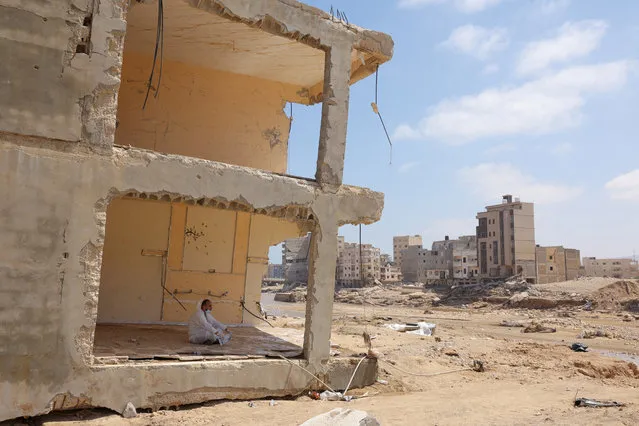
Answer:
(207, 305)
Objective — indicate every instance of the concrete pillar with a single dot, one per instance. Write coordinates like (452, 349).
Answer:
(332, 143)
(319, 299)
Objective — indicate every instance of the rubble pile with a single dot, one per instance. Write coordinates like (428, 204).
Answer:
(485, 291)
(619, 295)
(385, 295)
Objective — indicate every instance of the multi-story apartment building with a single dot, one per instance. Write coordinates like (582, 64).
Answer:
(616, 268)
(506, 240)
(133, 185)
(423, 265)
(390, 273)
(446, 259)
(464, 253)
(556, 263)
(401, 243)
(295, 255)
(349, 271)
(275, 270)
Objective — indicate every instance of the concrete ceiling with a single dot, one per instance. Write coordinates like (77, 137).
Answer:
(205, 39)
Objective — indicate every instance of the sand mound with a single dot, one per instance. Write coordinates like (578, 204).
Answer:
(618, 369)
(618, 295)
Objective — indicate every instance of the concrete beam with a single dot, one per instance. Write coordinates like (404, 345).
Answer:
(332, 143)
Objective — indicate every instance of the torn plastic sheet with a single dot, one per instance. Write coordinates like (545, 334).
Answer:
(420, 328)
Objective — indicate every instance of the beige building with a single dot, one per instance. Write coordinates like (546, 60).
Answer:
(126, 198)
(390, 273)
(401, 243)
(506, 240)
(556, 264)
(447, 259)
(464, 256)
(421, 265)
(349, 273)
(615, 268)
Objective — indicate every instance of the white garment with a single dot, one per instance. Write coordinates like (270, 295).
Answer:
(204, 328)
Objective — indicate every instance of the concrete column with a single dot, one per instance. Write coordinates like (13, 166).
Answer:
(319, 300)
(332, 143)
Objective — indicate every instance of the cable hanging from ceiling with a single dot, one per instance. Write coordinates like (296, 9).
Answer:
(159, 47)
(376, 111)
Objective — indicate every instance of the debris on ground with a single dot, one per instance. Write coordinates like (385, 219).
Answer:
(478, 366)
(593, 403)
(334, 396)
(536, 327)
(385, 295)
(591, 334)
(451, 352)
(251, 404)
(343, 417)
(619, 295)
(129, 411)
(579, 347)
(507, 323)
(420, 328)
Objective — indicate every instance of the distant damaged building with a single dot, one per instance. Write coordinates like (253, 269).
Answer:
(506, 240)
(611, 267)
(556, 264)
(143, 158)
(295, 255)
(358, 265)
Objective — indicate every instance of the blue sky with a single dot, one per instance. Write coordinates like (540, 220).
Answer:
(537, 98)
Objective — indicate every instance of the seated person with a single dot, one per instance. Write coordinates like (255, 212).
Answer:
(206, 330)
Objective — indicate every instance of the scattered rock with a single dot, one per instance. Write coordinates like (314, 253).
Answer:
(343, 417)
(507, 323)
(129, 411)
(536, 327)
(519, 297)
(451, 352)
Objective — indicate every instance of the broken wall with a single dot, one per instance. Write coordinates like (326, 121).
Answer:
(204, 113)
(63, 59)
(210, 253)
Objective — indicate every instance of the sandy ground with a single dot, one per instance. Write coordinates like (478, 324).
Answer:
(530, 378)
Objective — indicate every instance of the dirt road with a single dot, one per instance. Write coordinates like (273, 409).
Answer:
(530, 378)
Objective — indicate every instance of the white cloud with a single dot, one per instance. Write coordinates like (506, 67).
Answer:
(574, 40)
(541, 106)
(466, 6)
(563, 148)
(625, 187)
(490, 69)
(489, 180)
(406, 167)
(550, 7)
(498, 149)
(477, 41)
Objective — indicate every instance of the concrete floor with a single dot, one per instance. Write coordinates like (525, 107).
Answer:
(139, 342)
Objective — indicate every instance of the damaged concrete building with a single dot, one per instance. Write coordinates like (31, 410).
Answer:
(556, 264)
(358, 265)
(116, 218)
(295, 255)
(506, 240)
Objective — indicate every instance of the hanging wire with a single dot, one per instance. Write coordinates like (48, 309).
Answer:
(161, 24)
(159, 43)
(376, 111)
(288, 144)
